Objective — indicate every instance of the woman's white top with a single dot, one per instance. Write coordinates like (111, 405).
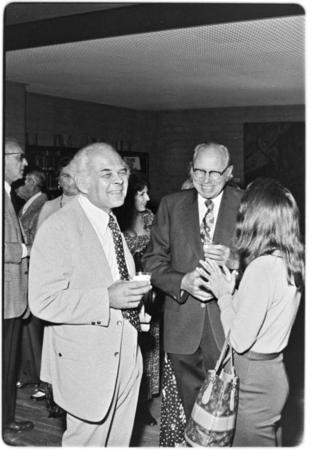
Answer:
(262, 311)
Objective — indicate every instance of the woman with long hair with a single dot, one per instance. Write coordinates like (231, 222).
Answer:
(135, 221)
(260, 314)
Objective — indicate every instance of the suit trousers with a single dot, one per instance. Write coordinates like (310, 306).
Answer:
(262, 396)
(115, 430)
(191, 370)
(31, 349)
(11, 329)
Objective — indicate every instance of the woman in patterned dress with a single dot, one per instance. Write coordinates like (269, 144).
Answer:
(135, 221)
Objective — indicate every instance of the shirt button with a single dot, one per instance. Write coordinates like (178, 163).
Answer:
(60, 354)
(93, 323)
(203, 305)
(98, 322)
(116, 353)
(119, 322)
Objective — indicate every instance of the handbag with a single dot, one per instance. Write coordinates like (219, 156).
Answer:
(213, 417)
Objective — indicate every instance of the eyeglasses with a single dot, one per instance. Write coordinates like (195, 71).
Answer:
(21, 157)
(213, 175)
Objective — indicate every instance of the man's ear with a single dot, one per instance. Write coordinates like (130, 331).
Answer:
(82, 184)
(229, 172)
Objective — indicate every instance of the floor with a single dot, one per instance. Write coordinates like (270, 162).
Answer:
(47, 431)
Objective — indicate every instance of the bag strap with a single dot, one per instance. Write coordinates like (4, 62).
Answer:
(223, 353)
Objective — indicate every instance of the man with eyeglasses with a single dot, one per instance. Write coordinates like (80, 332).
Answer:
(14, 294)
(79, 282)
(189, 226)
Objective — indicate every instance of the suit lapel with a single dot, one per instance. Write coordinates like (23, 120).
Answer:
(18, 226)
(191, 224)
(33, 206)
(91, 244)
(226, 220)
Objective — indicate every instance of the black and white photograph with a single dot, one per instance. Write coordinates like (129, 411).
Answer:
(154, 224)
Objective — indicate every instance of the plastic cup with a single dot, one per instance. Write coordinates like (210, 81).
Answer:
(142, 276)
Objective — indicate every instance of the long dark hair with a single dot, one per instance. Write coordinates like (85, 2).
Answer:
(268, 220)
(126, 213)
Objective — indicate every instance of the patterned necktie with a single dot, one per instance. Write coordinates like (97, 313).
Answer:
(207, 222)
(130, 314)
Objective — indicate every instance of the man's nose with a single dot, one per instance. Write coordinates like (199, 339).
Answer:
(147, 197)
(116, 178)
(25, 162)
(206, 177)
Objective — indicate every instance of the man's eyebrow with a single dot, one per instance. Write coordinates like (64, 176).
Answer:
(105, 170)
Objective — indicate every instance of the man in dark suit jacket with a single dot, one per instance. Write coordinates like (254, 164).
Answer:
(15, 293)
(193, 334)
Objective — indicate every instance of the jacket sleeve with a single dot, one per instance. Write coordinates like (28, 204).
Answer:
(157, 258)
(13, 252)
(51, 294)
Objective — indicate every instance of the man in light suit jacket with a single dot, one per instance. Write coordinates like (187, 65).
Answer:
(90, 353)
(32, 330)
(33, 192)
(193, 334)
(14, 306)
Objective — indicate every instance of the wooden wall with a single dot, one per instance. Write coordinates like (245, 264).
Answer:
(168, 136)
(78, 123)
(180, 131)
(14, 109)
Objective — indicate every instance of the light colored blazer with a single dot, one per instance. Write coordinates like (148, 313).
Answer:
(29, 220)
(69, 277)
(15, 267)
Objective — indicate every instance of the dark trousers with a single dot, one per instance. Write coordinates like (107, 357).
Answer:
(191, 370)
(31, 349)
(11, 329)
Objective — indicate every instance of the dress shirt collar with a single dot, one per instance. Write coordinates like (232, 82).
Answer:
(202, 207)
(29, 202)
(96, 215)
(8, 188)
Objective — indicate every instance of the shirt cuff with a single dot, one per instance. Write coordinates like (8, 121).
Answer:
(224, 301)
(24, 251)
(183, 295)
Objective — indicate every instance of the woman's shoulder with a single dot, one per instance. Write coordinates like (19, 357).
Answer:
(53, 203)
(267, 263)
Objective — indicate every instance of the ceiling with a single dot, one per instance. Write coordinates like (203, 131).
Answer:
(242, 63)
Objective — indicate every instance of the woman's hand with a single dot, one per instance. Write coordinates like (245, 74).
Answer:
(220, 280)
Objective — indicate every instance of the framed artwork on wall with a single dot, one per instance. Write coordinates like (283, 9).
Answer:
(276, 150)
(137, 161)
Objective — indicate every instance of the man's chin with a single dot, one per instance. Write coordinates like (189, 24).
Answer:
(116, 203)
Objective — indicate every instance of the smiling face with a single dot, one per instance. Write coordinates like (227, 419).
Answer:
(108, 179)
(211, 159)
(141, 200)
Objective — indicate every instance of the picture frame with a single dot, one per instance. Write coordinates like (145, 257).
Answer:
(137, 161)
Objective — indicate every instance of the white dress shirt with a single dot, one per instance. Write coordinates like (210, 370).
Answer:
(8, 189)
(99, 220)
(202, 209)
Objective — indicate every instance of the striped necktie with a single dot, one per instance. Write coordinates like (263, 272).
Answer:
(130, 314)
(207, 222)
